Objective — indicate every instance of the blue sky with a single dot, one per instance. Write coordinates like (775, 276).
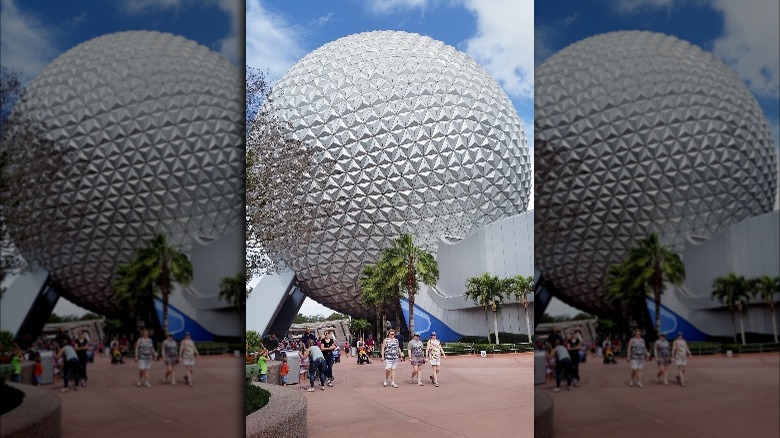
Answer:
(32, 34)
(496, 33)
(743, 34)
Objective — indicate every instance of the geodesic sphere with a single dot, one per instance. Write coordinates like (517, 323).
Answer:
(422, 140)
(153, 123)
(639, 133)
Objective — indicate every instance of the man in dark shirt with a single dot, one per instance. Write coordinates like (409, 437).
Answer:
(308, 336)
(328, 346)
(272, 344)
(400, 338)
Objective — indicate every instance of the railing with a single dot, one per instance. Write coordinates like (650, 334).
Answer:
(210, 348)
(457, 348)
(750, 348)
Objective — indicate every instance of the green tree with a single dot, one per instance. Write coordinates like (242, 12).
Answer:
(652, 265)
(378, 289)
(522, 287)
(233, 289)
(732, 290)
(489, 291)
(359, 327)
(133, 295)
(253, 341)
(409, 266)
(766, 288)
(627, 298)
(157, 266)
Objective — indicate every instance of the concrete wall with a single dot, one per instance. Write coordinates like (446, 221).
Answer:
(39, 415)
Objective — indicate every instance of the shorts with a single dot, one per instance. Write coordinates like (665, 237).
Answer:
(391, 364)
(435, 362)
(144, 364)
(171, 360)
(264, 378)
(682, 362)
(189, 362)
(637, 364)
(304, 371)
(418, 361)
(663, 361)
(284, 380)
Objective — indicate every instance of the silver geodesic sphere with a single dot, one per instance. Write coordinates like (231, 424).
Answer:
(640, 133)
(422, 140)
(155, 125)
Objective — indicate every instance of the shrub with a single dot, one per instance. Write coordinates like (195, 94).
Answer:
(256, 398)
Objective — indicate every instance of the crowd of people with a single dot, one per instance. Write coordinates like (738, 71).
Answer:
(564, 356)
(71, 358)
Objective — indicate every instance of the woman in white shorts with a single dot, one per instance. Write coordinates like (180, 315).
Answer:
(680, 353)
(434, 351)
(637, 353)
(144, 354)
(390, 353)
(188, 351)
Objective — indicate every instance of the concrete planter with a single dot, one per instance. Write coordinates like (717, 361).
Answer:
(284, 415)
(38, 415)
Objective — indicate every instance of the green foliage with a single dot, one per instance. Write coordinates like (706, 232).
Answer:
(734, 292)
(233, 289)
(359, 326)
(89, 316)
(253, 340)
(54, 318)
(256, 398)
(335, 316)
(10, 397)
(6, 341)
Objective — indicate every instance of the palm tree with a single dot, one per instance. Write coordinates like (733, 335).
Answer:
(765, 288)
(628, 299)
(374, 286)
(488, 291)
(233, 290)
(653, 264)
(132, 295)
(159, 266)
(408, 266)
(732, 290)
(522, 287)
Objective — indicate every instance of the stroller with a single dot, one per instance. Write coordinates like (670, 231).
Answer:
(609, 356)
(116, 356)
(362, 357)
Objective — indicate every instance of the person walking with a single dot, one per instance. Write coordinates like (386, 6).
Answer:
(144, 354)
(316, 365)
(82, 347)
(637, 353)
(681, 353)
(170, 354)
(574, 347)
(187, 352)
(562, 364)
(71, 367)
(303, 365)
(328, 347)
(390, 353)
(663, 358)
(416, 357)
(435, 353)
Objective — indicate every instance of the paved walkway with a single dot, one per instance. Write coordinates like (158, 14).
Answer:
(112, 405)
(477, 397)
(723, 397)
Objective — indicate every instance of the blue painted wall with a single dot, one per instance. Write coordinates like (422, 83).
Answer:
(178, 323)
(671, 323)
(425, 324)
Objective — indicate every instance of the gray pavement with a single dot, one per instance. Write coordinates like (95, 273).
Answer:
(477, 397)
(723, 397)
(112, 405)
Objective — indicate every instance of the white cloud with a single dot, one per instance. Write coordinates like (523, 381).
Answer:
(230, 47)
(272, 44)
(384, 6)
(504, 43)
(750, 43)
(142, 6)
(25, 44)
(634, 6)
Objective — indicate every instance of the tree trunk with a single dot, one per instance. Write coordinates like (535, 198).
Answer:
(527, 323)
(487, 325)
(657, 311)
(733, 327)
(742, 325)
(774, 322)
(165, 292)
(495, 325)
(411, 312)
